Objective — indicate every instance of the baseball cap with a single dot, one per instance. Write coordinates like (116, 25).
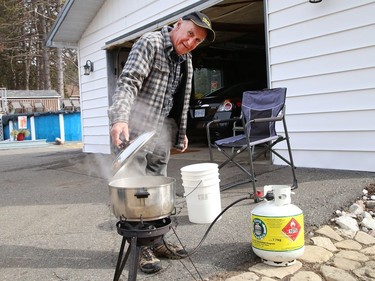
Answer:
(203, 21)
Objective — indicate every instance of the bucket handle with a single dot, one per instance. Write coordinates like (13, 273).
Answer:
(194, 189)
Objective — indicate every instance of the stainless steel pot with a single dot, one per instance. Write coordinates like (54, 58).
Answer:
(142, 198)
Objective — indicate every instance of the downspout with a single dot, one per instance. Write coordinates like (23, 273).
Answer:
(266, 35)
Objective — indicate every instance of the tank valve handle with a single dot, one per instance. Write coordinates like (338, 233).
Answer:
(269, 196)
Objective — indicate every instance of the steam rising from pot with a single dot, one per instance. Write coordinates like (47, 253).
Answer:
(142, 118)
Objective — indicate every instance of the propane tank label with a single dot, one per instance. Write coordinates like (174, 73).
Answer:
(278, 233)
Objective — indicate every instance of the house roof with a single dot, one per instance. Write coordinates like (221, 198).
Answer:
(22, 94)
(71, 22)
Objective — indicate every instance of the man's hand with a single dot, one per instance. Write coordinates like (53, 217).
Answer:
(119, 133)
(186, 142)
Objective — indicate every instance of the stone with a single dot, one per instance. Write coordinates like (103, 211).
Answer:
(267, 279)
(364, 238)
(325, 243)
(331, 273)
(349, 244)
(346, 264)
(370, 272)
(246, 276)
(362, 274)
(352, 255)
(368, 223)
(364, 229)
(361, 203)
(347, 222)
(370, 264)
(306, 275)
(275, 271)
(346, 233)
(366, 215)
(329, 232)
(355, 209)
(370, 204)
(315, 254)
(338, 213)
(369, 251)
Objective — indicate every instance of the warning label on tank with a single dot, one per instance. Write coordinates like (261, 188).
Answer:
(277, 233)
(292, 229)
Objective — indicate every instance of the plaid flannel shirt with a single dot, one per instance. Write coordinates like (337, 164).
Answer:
(140, 94)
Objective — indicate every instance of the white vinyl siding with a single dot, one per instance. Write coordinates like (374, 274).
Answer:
(324, 54)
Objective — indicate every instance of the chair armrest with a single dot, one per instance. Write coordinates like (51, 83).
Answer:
(270, 119)
(217, 121)
(223, 121)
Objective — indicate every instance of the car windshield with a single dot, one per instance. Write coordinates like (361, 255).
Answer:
(231, 91)
(206, 81)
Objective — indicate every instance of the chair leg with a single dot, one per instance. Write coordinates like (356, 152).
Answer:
(295, 183)
(230, 159)
(251, 152)
(293, 168)
(210, 151)
(250, 174)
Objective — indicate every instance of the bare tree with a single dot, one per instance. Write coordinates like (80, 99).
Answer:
(60, 63)
(25, 63)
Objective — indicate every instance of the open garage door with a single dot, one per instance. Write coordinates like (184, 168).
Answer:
(236, 61)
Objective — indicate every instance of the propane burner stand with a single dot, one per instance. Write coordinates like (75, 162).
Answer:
(138, 234)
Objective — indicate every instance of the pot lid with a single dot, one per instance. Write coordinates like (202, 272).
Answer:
(127, 154)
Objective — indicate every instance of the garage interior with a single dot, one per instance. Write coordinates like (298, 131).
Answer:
(239, 47)
(239, 50)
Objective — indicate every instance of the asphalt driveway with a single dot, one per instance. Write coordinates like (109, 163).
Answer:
(56, 222)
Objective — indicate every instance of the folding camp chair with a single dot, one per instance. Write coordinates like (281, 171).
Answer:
(261, 110)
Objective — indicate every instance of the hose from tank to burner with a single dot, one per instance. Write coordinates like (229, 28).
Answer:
(208, 230)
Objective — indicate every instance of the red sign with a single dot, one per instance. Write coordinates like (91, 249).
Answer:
(292, 229)
(213, 86)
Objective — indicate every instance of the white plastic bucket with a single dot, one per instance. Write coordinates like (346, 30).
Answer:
(202, 190)
(199, 183)
(201, 169)
(204, 180)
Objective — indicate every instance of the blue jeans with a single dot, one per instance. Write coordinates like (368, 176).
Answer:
(155, 163)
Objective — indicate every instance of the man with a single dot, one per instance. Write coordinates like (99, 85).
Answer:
(152, 94)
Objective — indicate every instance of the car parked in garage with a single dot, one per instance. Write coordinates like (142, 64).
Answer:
(224, 103)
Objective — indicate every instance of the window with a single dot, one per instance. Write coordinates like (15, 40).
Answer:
(207, 80)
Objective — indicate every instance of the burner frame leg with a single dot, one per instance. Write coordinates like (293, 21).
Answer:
(134, 259)
(134, 250)
(121, 260)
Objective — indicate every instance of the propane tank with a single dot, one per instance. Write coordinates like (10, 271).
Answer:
(278, 228)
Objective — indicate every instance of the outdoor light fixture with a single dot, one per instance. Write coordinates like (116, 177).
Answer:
(315, 1)
(89, 67)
